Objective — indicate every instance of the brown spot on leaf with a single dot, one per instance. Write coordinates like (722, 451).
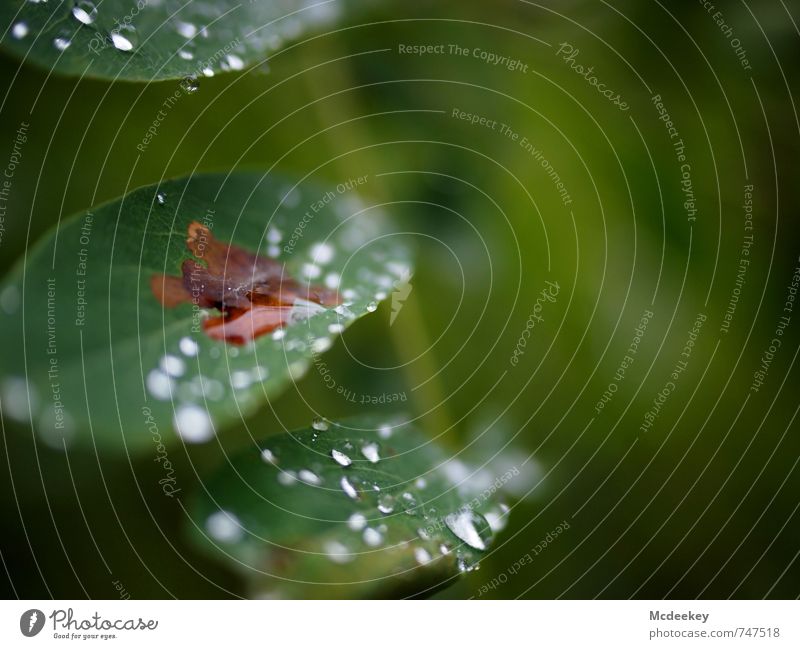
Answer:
(253, 294)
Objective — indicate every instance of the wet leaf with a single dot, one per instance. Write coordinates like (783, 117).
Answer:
(363, 507)
(101, 333)
(146, 40)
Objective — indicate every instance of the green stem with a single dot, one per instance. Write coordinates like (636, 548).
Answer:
(411, 340)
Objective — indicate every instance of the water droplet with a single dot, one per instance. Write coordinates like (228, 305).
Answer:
(234, 62)
(161, 197)
(371, 452)
(207, 72)
(287, 478)
(193, 424)
(335, 328)
(62, 41)
(321, 345)
(497, 518)
(185, 54)
(320, 424)
(444, 549)
(14, 395)
(311, 271)
(423, 534)
(422, 556)
(322, 253)
(125, 38)
(338, 552)
(421, 483)
(85, 12)
(470, 527)
(172, 365)
(357, 522)
(159, 385)
(341, 458)
(386, 504)
(188, 346)
(224, 527)
(409, 500)
(19, 30)
(332, 280)
(268, 456)
(240, 379)
(385, 431)
(348, 488)
(190, 85)
(372, 537)
(456, 471)
(309, 477)
(9, 299)
(372, 306)
(466, 564)
(187, 30)
(278, 334)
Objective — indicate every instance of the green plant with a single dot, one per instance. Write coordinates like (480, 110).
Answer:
(162, 317)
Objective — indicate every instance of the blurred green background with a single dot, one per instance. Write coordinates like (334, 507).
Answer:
(704, 503)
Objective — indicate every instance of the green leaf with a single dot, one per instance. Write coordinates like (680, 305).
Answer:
(363, 507)
(148, 40)
(98, 359)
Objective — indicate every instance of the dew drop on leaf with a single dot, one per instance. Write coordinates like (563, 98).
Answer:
(386, 504)
(357, 522)
(287, 478)
(85, 12)
(371, 452)
(348, 488)
(372, 537)
(341, 458)
(224, 527)
(469, 527)
(125, 38)
(19, 30)
(193, 424)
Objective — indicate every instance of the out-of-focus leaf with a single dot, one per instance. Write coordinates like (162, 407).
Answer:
(366, 506)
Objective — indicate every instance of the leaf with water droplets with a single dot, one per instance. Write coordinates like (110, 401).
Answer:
(404, 524)
(148, 41)
(181, 308)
